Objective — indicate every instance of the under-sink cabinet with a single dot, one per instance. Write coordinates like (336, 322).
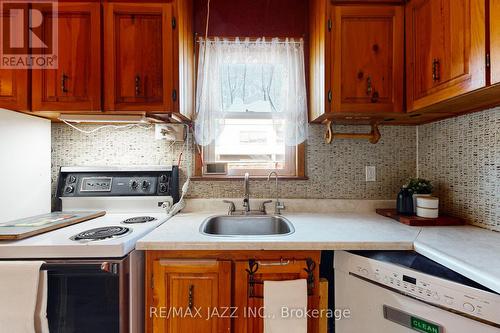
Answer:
(193, 287)
(183, 289)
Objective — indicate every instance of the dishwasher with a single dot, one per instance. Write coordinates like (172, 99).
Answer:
(404, 292)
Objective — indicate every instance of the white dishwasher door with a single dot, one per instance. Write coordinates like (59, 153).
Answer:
(375, 309)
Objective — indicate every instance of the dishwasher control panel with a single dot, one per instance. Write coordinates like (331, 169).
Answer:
(444, 293)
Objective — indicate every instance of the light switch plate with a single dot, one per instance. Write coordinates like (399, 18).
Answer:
(371, 173)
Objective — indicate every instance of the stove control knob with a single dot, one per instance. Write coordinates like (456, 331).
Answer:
(134, 184)
(145, 185)
(163, 188)
(163, 178)
(69, 189)
(71, 179)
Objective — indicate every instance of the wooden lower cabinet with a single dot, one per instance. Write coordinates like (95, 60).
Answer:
(185, 294)
(184, 288)
(248, 296)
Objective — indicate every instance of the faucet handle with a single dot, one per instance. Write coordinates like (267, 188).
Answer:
(280, 205)
(232, 207)
(263, 206)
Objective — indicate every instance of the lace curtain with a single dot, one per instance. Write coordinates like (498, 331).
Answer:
(258, 78)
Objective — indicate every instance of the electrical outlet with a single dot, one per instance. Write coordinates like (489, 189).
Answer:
(169, 132)
(371, 173)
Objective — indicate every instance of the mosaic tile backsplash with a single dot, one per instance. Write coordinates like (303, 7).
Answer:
(335, 171)
(462, 157)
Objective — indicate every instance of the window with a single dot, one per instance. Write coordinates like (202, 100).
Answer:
(251, 116)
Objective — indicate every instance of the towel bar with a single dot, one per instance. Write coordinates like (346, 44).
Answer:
(253, 267)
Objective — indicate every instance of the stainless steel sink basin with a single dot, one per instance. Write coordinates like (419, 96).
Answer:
(251, 225)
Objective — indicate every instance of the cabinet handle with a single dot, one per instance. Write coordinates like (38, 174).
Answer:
(436, 70)
(64, 77)
(137, 85)
(369, 87)
(191, 297)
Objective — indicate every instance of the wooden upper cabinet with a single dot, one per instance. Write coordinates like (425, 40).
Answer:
(367, 57)
(14, 90)
(445, 50)
(76, 83)
(195, 287)
(495, 41)
(138, 57)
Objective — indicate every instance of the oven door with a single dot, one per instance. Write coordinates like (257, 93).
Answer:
(88, 296)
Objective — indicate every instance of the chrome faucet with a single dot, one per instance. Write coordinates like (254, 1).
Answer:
(246, 195)
(246, 202)
(278, 206)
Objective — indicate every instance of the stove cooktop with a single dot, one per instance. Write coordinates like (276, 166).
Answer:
(139, 219)
(101, 233)
(103, 237)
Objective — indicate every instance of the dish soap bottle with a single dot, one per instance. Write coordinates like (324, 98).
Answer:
(404, 203)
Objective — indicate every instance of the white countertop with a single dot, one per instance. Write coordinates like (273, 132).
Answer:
(335, 231)
(470, 251)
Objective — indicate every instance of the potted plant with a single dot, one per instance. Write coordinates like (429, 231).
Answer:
(419, 186)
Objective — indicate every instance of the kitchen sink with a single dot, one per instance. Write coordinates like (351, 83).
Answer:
(247, 225)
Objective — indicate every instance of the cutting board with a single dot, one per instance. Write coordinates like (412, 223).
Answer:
(35, 225)
(413, 220)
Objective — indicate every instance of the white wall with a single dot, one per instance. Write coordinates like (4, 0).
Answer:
(25, 147)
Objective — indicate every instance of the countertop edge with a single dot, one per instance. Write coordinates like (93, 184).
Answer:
(458, 266)
(263, 246)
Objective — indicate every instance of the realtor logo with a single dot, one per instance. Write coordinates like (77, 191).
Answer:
(29, 34)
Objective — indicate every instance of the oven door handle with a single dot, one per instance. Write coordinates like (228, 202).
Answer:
(105, 267)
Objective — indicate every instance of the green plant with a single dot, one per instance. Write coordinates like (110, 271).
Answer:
(420, 186)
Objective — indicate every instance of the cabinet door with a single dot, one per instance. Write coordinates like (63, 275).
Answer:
(76, 83)
(14, 89)
(138, 55)
(187, 292)
(445, 48)
(495, 41)
(368, 52)
(249, 303)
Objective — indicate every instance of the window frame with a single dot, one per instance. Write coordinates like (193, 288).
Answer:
(299, 165)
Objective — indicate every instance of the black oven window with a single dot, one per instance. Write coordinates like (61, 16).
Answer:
(83, 302)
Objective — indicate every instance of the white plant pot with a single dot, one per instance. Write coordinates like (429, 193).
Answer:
(415, 200)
